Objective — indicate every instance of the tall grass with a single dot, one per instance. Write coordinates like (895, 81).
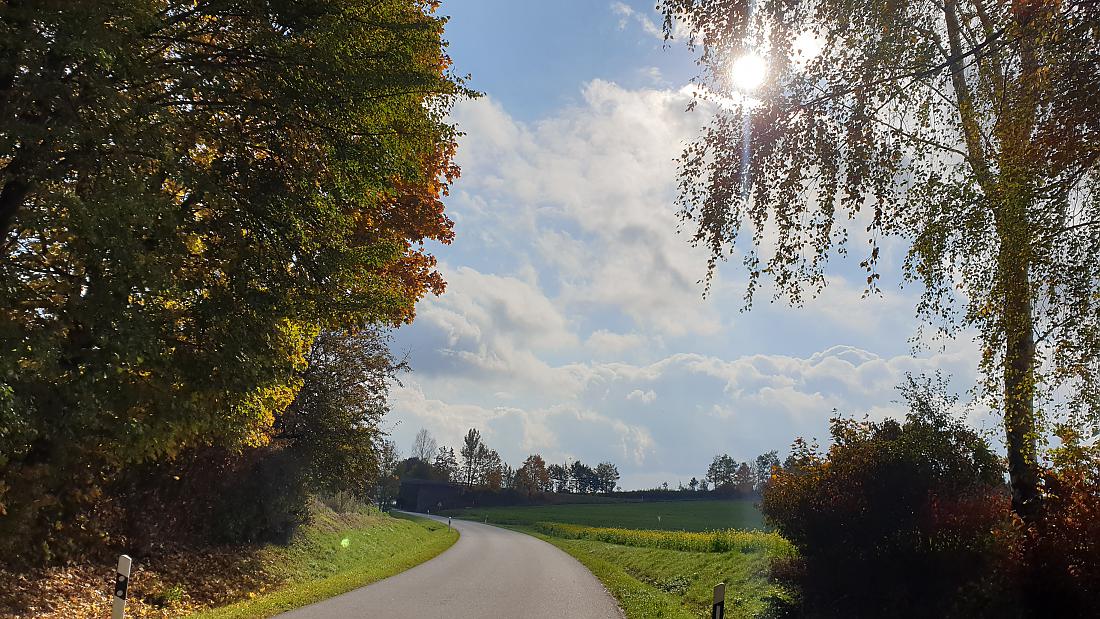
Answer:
(710, 515)
(726, 540)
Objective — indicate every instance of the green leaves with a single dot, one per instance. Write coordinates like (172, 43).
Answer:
(190, 193)
(960, 127)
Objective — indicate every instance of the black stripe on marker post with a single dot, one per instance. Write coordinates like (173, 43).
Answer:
(718, 611)
(122, 583)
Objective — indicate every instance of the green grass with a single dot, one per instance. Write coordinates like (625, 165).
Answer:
(663, 515)
(319, 564)
(658, 582)
(726, 540)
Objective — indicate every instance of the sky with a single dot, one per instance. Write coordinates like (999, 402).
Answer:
(574, 323)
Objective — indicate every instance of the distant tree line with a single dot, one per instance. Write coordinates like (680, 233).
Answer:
(476, 465)
(726, 475)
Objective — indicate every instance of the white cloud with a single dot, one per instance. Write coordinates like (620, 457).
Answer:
(652, 75)
(590, 190)
(604, 344)
(573, 325)
(627, 14)
(708, 405)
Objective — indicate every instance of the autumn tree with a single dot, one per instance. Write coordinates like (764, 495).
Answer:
(762, 469)
(584, 477)
(389, 483)
(533, 477)
(415, 468)
(333, 423)
(489, 468)
(744, 479)
(507, 476)
(895, 518)
(190, 192)
(965, 127)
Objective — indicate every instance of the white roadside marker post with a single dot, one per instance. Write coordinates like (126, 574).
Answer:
(718, 611)
(122, 580)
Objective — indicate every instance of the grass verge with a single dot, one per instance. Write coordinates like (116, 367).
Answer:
(331, 558)
(650, 579)
(235, 581)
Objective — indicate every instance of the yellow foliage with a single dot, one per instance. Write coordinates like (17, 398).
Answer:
(259, 408)
(194, 244)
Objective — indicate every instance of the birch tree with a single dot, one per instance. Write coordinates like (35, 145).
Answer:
(967, 128)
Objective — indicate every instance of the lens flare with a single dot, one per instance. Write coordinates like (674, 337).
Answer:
(748, 72)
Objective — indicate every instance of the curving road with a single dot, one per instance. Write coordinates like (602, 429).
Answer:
(489, 572)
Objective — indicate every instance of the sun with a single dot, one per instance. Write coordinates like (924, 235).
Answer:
(748, 72)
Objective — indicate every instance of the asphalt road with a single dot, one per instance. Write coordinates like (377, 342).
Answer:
(489, 572)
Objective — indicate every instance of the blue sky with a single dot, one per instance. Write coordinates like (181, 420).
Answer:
(574, 324)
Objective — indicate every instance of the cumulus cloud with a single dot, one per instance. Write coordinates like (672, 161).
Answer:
(590, 191)
(674, 414)
(573, 324)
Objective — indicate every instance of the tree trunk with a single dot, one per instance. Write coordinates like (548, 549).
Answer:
(1019, 383)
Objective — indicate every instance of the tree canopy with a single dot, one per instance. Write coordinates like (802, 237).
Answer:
(967, 127)
(189, 193)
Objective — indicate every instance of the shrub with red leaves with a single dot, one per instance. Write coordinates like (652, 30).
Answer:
(1055, 561)
(895, 519)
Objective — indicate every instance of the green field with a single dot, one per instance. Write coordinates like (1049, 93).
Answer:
(658, 515)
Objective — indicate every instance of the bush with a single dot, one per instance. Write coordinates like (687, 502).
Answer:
(1055, 561)
(213, 495)
(53, 518)
(896, 519)
(265, 503)
(345, 503)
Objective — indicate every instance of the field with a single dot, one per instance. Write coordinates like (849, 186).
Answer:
(658, 515)
(662, 559)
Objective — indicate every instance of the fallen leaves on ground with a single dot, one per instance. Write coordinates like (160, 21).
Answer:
(165, 584)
